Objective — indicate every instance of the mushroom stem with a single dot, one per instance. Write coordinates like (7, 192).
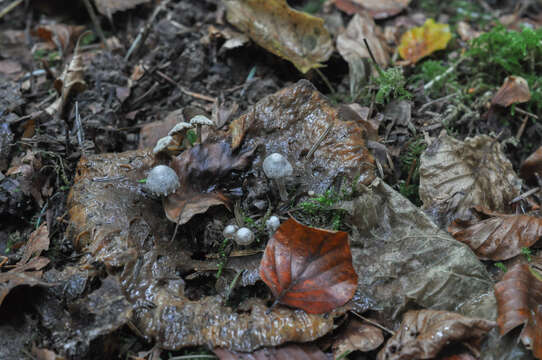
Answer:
(282, 189)
(198, 132)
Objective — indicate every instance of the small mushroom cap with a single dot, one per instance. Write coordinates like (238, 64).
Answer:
(201, 120)
(162, 180)
(163, 144)
(272, 224)
(244, 236)
(276, 166)
(180, 128)
(229, 231)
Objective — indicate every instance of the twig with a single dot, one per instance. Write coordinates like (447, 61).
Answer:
(522, 127)
(319, 141)
(95, 22)
(183, 89)
(144, 31)
(232, 285)
(521, 111)
(430, 84)
(326, 80)
(79, 127)
(411, 171)
(378, 68)
(427, 104)
(374, 323)
(10, 7)
(524, 195)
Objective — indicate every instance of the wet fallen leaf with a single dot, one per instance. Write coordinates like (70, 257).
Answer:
(378, 9)
(113, 220)
(422, 41)
(519, 299)
(293, 35)
(358, 336)
(60, 35)
(292, 351)
(352, 48)
(200, 169)
(514, 90)
(109, 7)
(10, 67)
(500, 237)
(531, 166)
(38, 242)
(403, 260)
(153, 131)
(424, 333)
(456, 176)
(27, 271)
(309, 268)
(466, 32)
(291, 121)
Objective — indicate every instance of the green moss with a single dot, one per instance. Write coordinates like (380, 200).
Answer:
(391, 85)
(410, 164)
(428, 71)
(500, 53)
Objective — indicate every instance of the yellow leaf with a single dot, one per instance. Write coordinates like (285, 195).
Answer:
(293, 35)
(422, 41)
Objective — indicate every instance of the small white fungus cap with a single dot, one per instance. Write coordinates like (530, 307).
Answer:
(201, 120)
(179, 128)
(162, 180)
(229, 231)
(163, 144)
(276, 166)
(244, 236)
(272, 224)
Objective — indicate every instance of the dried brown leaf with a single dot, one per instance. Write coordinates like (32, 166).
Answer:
(514, 90)
(456, 176)
(532, 165)
(12, 279)
(293, 35)
(358, 336)
(38, 242)
(519, 301)
(287, 352)
(60, 35)
(309, 268)
(200, 170)
(378, 9)
(500, 237)
(424, 333)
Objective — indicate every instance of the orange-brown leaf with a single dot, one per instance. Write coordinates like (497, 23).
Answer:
(514, 90)
(309, 268)
(424, 333)
(422, 41)
(500, 237)
(519, 302)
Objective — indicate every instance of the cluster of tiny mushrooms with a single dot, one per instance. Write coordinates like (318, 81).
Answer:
(162, 180)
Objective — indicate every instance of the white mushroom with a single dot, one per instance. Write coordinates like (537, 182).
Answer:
(162, 180)
(180, 128)
(163, 143)
(244, 236)
(277, 167)
(272, 224)
(198, 121)
(229, 231)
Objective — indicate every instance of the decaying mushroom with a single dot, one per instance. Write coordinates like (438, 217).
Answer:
(277, 167)
(199, 121)
(176, 140)
(162, 181)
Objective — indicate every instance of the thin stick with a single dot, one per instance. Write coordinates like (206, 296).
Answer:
(427, 104)
(319, 141)
(326, 80)
(411, 171)
(430, 84)
(378, 68)
(522, 127)
(524, 195)
(373, 323)
(144, 31)
(185, 90)
(95, 22)
(10, 7)
(521, 111)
